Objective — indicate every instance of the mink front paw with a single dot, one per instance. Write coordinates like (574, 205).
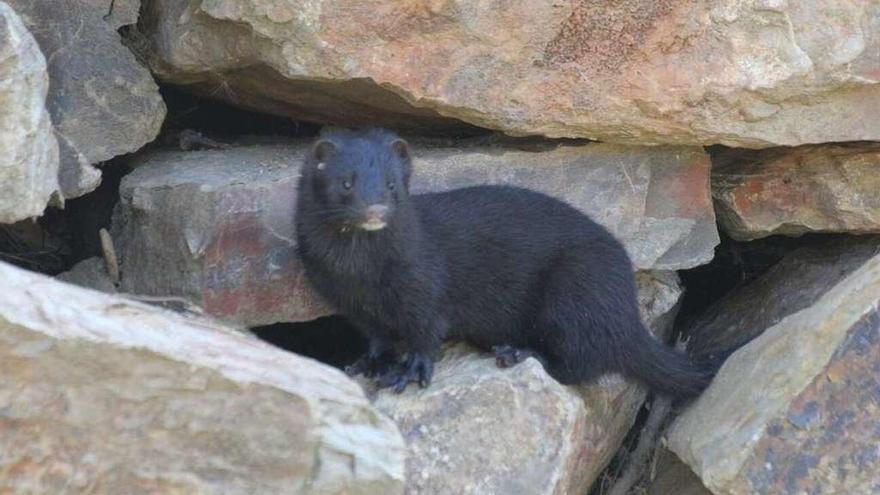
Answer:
(418, 368)
(372, 365)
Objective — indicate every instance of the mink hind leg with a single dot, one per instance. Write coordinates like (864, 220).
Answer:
(577, 324)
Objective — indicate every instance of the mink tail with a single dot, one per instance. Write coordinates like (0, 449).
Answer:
(669, 371)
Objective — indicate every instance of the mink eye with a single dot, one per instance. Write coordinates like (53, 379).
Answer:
(346, 184)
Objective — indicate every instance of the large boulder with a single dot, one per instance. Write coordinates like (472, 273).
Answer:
(794, 283)
(796, 410)
(103, 102)
(479, 429)
(102, 394)
(217, 227)
(828, 188)
(29, 162)
(746, 73)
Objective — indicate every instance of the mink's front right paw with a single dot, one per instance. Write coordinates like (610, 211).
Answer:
(418, 368)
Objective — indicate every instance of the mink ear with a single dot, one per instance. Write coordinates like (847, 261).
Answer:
(321, 152)
(401, 149)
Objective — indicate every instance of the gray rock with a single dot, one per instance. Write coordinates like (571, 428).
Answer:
(796, 410)
(102, 101)
(795, 283)
(90, 273)
(674, 477)
(747, 74)
(479, 429)
(827, 188)
(29, 162)
(107, 395)
(217, 227)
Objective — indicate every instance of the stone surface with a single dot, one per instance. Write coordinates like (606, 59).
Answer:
(742, 73)
(103, 102)
(674, 477)
(828, 188)
(218, 226)
(796, 410)
(479, 429)
(793, 284)
(90, 273)
(179, 405)
(29, 163)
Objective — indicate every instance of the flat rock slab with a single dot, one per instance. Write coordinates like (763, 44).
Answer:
(791, 285)
(796, 410)
(29, 162)
(827, 188)
(103, 102)
(479, 429)
(746, 74)
(102, 394)
(217, 227)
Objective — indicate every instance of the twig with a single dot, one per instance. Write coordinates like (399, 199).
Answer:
(110, 258)
(661, 408)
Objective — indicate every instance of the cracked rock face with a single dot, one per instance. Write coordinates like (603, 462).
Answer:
(741, 73)
(825, 188)
(796, 410)
(478, 429)
(103, 394)
(217, 227)
(29, 161)
(103, 102)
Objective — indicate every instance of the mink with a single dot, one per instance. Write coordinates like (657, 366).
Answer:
(507, 269)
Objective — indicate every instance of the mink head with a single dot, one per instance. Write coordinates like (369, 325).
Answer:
(358, 179)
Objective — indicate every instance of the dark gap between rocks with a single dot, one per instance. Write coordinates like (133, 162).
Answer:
(330, 340)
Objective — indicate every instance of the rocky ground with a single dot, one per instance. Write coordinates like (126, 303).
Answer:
(157, 334)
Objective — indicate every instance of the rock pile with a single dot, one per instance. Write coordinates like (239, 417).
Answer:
(719, 123)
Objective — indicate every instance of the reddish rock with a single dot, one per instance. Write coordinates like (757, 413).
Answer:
(749, 74)
(828, 188)
(217, 227)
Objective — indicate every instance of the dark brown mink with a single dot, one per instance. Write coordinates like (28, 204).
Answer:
(507, 269)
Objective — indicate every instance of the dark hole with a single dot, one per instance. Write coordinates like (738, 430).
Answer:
(330, 340)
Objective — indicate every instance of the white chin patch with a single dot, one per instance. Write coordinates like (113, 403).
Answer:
(373, 225)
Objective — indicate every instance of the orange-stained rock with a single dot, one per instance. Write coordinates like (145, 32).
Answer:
(827, 188)
(741, 73)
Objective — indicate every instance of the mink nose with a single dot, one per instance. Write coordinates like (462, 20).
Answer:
(376, 213)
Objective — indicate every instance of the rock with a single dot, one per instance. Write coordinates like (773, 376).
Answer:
(796, 410)
(828, 188)
(180, 405)
(90, 273)
(29, 167)
(791, 285)
(747, 74)
(103, 102)
(479, 429)
(217, 227)
(674, 477)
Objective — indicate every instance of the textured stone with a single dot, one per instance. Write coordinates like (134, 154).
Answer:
(101, 394)
(750, 73)
(796, 410)
(793, 284)
(217, 227)
(103, 102)
(90, 273)
(29, 162)
(674, 477)
(480, 429)
(828, 188)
